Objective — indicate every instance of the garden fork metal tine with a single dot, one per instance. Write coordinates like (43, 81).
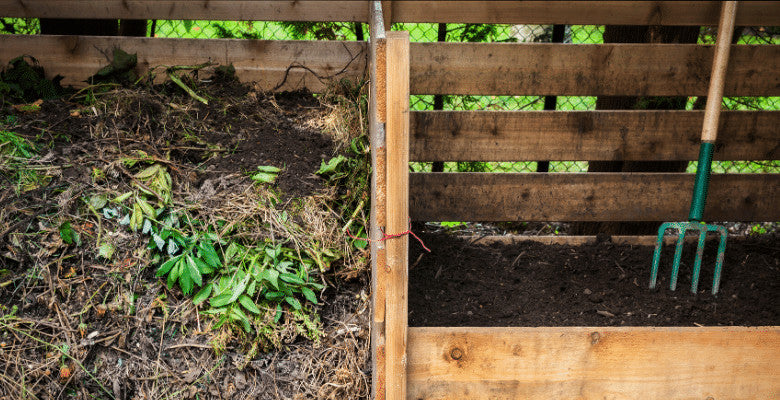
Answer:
(657, 253)
(677, 256)
(697, 263)
(723, 233)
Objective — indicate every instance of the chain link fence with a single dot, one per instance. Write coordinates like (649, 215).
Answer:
(431, 32)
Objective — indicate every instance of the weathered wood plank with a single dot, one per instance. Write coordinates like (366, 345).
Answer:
(243, 10)
(494, 12)
(594, 363)
(589, 70)
(589, 197)
(583, 12)
(296, 64)
(396, 289)
(588, 135)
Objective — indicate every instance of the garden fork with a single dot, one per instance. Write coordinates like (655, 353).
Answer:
(708, 136)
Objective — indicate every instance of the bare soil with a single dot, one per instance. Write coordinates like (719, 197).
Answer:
(462, 283)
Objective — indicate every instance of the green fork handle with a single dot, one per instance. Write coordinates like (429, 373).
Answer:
(702, 182)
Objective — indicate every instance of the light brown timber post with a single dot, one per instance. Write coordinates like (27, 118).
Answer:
(397, 131)
(378, 218)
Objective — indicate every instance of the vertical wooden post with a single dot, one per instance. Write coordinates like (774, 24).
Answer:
(397, 131)
(387, 14)
(378, 218)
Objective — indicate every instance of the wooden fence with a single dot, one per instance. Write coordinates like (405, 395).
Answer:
(543, 363)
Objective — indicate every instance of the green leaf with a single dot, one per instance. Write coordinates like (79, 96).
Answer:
(293, 302)
(309, 294)
(137, 218)
(278, 315)
(159, 241)
(208, 253)
(331, 165)
(98, 201)
(285, 289)
(67, 234)
(166, 266)
(185, 282)
(121, 198)
(148, 172)
(231, 251)
(125, 220)
(204, 268)
(264, 177)
(290, 278)
(272, 277)
(172, 247)
(269, 168)
(252, 288)
(193, 271)
(203, 294)
(174, 274)
(215, 311)
(110, 212)
(274, 296)
(239, 290)
(248, 304)
(145, 207)
(106, 250)
(221, 300)
(239, 315)
(147, 227)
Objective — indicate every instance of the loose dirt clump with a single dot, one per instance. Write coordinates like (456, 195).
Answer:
(465, 283)
(83, 313)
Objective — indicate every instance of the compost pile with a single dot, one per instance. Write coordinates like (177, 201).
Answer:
(476, 282)
(154, 246)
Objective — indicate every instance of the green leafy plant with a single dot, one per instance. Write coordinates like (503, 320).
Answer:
(192, 258)
(270, 273)
(17, 156)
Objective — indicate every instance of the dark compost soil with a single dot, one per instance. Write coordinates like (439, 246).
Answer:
(461, 283)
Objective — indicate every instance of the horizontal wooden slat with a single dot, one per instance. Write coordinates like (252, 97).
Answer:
(267, 62)
(583, 12)
(589, 197)
(749, 13)
(594, 363)
(245, 10)
(588, 70)
(588, 135)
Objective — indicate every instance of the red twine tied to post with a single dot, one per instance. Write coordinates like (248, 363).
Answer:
(386, 236)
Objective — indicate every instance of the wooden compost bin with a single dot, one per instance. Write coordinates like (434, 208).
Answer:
(546, 362)
(561, 362)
